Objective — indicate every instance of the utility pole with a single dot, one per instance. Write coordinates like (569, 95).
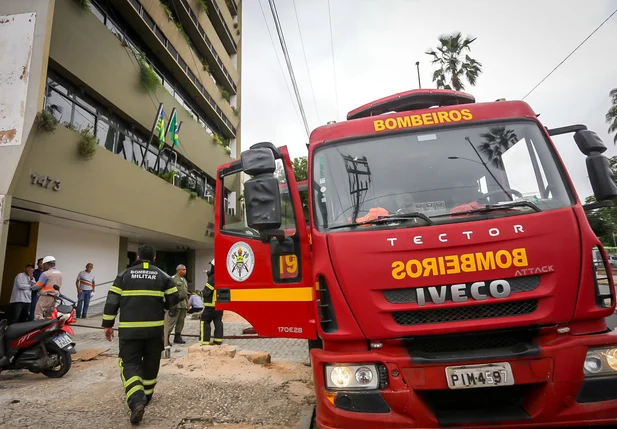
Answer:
(418, 68)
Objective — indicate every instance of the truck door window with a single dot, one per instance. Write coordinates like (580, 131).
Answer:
(285, 268)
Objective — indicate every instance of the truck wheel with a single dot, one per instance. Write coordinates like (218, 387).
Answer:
(63, 367)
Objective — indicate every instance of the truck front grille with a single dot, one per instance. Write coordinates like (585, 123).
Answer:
(470, 312)
(408, 296)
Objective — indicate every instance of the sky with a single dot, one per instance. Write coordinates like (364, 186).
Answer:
(376, 43)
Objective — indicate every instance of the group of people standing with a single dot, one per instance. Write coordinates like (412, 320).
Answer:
(34, 295)
(193, 303)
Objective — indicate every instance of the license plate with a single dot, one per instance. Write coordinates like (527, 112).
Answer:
(62, 340)
(475, 376)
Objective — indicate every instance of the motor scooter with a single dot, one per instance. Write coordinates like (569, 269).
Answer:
(41, 346)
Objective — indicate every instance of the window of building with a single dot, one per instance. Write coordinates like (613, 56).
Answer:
(160, 35)
(148, 19)
(136, 5)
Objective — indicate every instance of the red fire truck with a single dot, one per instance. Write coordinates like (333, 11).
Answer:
(447, 268)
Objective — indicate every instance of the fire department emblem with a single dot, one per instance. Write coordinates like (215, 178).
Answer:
(240, 261)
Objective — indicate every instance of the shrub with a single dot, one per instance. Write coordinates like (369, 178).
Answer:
(70, 126)
(169, 176)
(235, 25)
(206, 66)
(204, 6)
(181, 30)
(83, 4)
(150, 81)
(224, 93)
(87, 144)
(46, 121)
(170, 15)
(235, 111)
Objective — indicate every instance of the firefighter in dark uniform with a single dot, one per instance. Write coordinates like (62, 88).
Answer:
(142, 293)
(210, 315)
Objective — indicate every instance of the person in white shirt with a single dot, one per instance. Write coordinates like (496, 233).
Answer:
(85, 290)
(22, 295)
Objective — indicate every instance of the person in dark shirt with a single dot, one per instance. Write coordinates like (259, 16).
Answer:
(35, 293)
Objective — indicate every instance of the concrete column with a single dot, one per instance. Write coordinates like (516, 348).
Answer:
(25, 33)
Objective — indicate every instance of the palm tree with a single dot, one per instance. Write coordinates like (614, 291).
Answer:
(611, 115)
(453, 67)
(496, 142)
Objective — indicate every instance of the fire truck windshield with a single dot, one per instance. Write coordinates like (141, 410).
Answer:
(446, 175)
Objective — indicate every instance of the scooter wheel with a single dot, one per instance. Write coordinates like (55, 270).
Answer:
(62, 368)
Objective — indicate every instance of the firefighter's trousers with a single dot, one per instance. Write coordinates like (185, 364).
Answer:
(208, 316)
(139, 366)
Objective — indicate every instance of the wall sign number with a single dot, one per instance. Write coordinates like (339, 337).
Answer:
(45, 181)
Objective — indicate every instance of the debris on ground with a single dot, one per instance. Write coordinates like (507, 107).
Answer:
(212, 386)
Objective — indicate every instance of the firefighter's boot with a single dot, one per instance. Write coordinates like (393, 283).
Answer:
(178, 339)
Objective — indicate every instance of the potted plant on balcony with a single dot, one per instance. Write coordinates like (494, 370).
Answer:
(87, 144)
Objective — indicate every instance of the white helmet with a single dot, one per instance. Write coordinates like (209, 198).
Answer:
(212, 262)
(48, 259)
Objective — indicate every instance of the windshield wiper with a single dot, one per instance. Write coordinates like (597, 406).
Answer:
(493, 207)
(387, 219)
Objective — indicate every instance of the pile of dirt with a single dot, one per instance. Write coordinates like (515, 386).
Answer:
(223, 362)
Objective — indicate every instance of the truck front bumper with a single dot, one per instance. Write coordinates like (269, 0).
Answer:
(550, 390)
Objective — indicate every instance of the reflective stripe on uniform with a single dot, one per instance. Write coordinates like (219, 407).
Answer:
(115, 289)
(209, 286)
(132, 380)
(109, 317)
(207, 304)
(133, 390)
(149, 382)
(149, 391)
(273, 294)
(151, 324)
(142, 293)
(171, 290)
(146, 265)
(217, 339)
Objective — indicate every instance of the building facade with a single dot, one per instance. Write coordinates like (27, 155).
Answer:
(82, 177)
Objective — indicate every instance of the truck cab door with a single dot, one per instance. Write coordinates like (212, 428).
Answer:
(272, 291)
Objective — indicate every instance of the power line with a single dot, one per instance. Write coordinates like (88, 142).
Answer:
(333, 65)
(570, 54)
(306, 62)
(288, 61)
(278, 60)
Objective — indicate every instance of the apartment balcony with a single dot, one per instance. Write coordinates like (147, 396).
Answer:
(86, 52)
(177, 56)
(199, 28)
(110, 188)
(222, 22)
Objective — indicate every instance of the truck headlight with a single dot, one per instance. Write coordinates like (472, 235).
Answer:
(600, 362)
(352, 377)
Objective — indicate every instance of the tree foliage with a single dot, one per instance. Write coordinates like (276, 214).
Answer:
(603, 221)
(300, 166)
(453, 65)
(611, 115)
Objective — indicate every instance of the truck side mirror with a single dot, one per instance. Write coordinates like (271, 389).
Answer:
(598, 167)
(261, 192)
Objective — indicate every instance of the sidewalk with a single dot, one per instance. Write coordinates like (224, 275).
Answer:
(87, 336)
